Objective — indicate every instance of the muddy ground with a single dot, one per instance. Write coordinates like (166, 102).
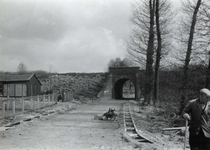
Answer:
(71, 125)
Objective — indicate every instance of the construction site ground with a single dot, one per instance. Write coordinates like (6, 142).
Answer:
(74, 126)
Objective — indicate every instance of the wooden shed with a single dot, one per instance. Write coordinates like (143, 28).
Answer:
(19, 85)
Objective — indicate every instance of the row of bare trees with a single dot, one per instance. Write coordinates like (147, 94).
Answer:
(160, 38)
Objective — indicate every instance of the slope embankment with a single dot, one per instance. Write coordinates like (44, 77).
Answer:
(106, 92)
(83, 85)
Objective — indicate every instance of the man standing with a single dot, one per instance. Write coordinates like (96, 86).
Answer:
(198, 114)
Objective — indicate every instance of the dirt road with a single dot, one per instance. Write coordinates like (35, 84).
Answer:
(73, 130)
(71, 126)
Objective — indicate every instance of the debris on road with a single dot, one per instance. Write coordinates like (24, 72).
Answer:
(110, 114)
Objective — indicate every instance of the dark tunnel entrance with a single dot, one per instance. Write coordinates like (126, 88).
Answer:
(124, 89)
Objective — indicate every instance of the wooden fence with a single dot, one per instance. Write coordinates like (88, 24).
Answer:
(67, 96)
(12, 106)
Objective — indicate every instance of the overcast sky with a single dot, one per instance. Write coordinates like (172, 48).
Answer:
(63, 35)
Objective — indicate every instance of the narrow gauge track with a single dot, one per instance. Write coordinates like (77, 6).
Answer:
(130, 127)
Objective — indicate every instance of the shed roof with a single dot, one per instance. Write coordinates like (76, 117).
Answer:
(16, 77)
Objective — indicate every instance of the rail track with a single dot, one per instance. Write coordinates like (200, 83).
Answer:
(130, 127)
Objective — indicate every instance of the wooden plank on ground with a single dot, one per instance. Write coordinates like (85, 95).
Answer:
(175, 128)
(5, 128)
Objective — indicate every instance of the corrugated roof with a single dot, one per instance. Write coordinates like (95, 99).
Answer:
(16, 77)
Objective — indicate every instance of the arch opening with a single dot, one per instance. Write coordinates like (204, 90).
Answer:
(128, 90)
(124, 89)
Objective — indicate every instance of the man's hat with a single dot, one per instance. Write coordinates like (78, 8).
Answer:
(205, 91)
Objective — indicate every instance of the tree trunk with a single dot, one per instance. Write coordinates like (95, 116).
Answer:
(158, 55)
(188, 54)
(149, 62)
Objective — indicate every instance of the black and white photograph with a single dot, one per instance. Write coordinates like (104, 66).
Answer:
(104, 74)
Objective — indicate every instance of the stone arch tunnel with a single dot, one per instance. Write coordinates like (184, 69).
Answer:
(120, 75)
(117, 77)
(118, 88)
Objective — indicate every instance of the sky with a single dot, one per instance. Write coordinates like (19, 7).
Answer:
(63, 35)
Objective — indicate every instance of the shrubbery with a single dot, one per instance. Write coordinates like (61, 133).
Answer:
(171, 83)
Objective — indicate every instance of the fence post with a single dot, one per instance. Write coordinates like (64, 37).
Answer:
(31, 102)
(44, 100)
(38, 101)
(8, 103)
(48, 99)
(23, 104)
(69, 96)
(13, 106)
(3, 109)
(53, 98)
(66, 96)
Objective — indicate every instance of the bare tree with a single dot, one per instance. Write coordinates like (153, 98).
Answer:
(141, 33)
(206, 20)
(137, 42)
(204, 30)
(149, 61)
(22, 68)
(191, 9)
(117, 62)
(190, 41)
(158, 55)
(200, 43)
